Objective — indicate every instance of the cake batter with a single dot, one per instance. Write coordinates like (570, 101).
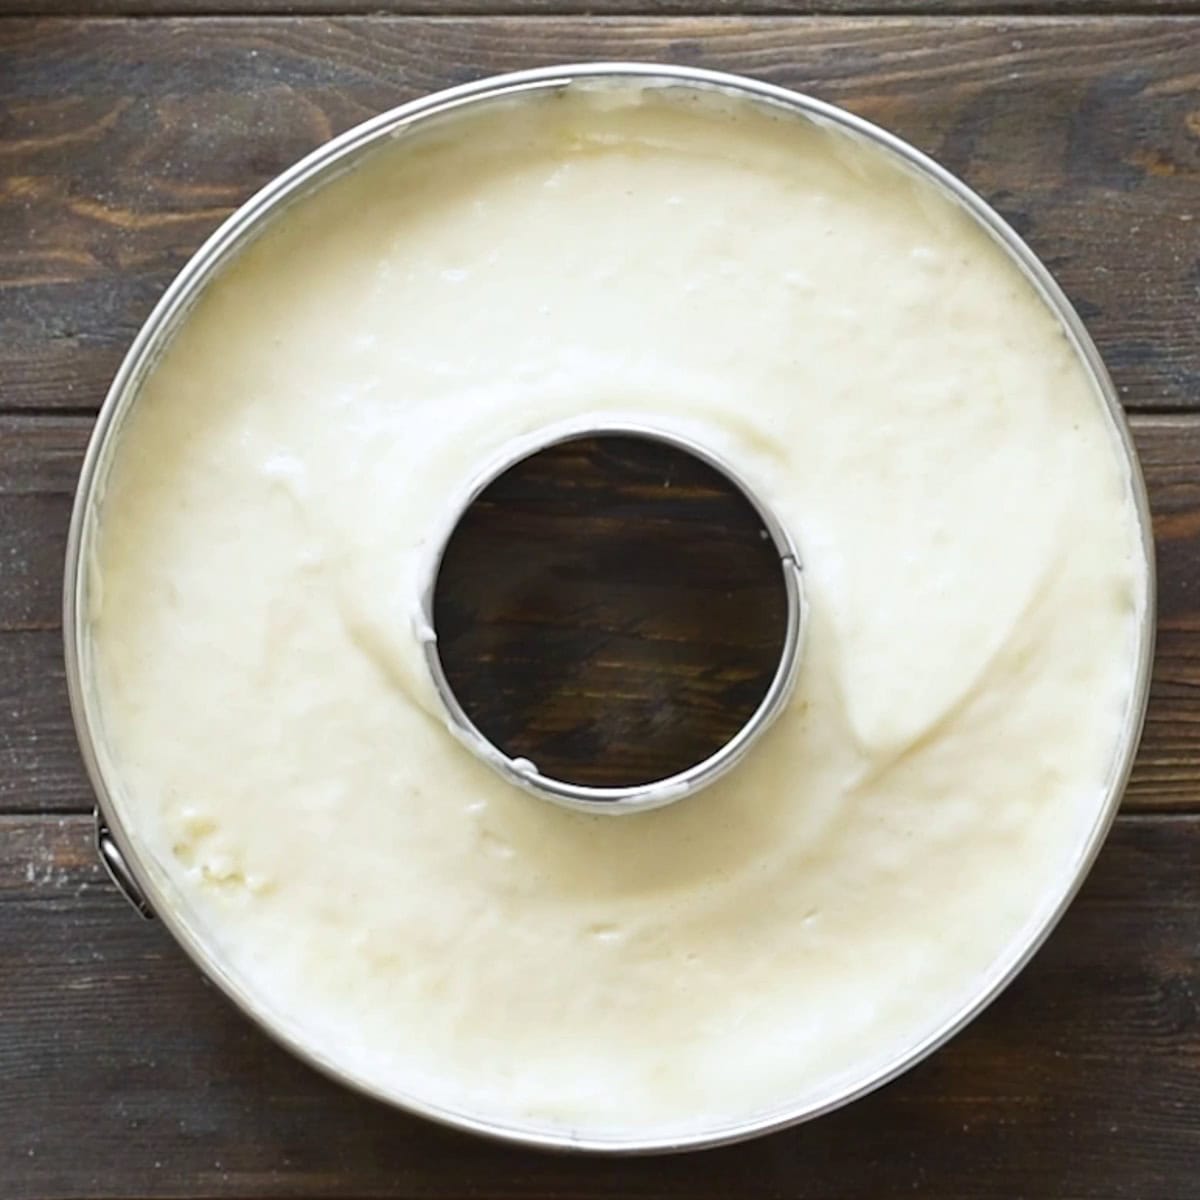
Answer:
(887, 382)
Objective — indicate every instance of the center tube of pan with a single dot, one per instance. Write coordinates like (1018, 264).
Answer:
(615, 618)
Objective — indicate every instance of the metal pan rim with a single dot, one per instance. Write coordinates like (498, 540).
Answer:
(248, 220)
(642, 797)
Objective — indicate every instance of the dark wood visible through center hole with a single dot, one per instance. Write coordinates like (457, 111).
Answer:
(612, 609)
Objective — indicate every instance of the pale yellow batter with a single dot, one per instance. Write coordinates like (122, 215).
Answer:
(884, 379)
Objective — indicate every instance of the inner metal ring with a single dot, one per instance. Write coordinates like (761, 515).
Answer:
(639, 797)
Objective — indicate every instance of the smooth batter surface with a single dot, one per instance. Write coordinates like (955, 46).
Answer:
(883, 378)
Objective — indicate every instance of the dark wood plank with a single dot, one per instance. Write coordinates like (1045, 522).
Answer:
(126, 1075)
(39, 767)
(125, 142)
(606, 8)
(39, 465)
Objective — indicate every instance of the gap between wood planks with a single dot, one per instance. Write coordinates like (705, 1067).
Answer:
(89, 412)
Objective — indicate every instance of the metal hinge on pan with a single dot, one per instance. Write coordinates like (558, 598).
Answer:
(118, 872)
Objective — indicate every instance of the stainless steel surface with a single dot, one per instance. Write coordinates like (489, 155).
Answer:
(619, 801)
(118, 872)
(245, 224)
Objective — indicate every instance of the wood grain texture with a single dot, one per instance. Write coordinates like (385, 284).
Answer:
(126, 1075)
(39, 763)
(595, 8)
(123, 143)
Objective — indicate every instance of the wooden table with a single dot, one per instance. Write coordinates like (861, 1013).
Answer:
(125, 138)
